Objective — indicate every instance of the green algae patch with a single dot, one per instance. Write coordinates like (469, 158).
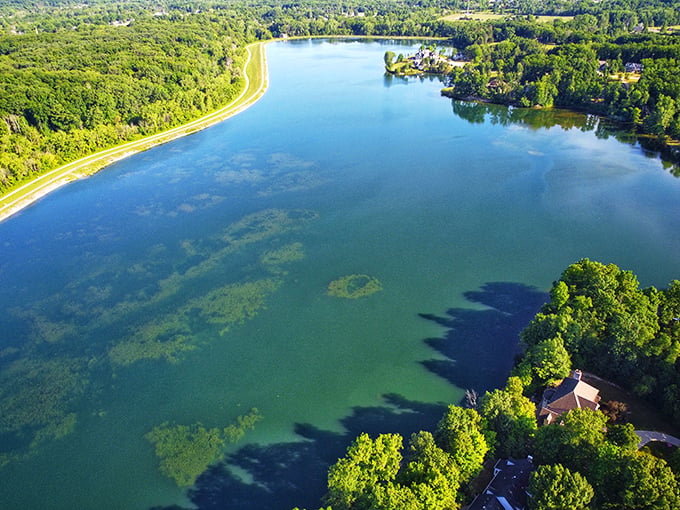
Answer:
(249, 230)
(159, 339)
(35, 397)
(185, 451)
(354, 286)
(233, 303)
(170, 301)
(265, 224)
(243, 424)
(42, 329)
(55, 430)
(273, 259)
(171, 335)
(128, 352)
(35, 393)
(292, 182)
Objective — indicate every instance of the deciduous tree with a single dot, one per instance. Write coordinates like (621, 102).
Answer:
(554, 487)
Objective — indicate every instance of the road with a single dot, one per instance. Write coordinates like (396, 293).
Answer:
(647, 436)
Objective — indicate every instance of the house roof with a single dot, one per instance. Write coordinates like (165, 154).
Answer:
(507, 489)
(572, 393)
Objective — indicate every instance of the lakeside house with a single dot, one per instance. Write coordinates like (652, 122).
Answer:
(572, 393)
(425, 59)
(507, 490)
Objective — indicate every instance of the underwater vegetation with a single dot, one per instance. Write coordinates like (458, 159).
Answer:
(235, 431)
(172, 334)
(185, 451)
(160, 306)
(128, 352)
(279, 173)
(161, 338)
(232, 304)
(272, 259)
(35, 401)
(42, 329)
(354, 286)
(294, 181)
(252, 228)
(264, 224)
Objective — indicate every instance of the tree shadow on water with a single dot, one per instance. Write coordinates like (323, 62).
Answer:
(480, 345)
(282, 476)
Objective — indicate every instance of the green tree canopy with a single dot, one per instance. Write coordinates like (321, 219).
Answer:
(572, 440)
(554, 487)
(460, 433)
(512, 416)
(368, 465)
(550, 360)
(430, 473)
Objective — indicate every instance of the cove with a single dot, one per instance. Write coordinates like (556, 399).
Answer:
(190, 283)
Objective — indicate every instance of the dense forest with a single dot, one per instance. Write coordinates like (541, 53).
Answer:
(597, 318)
(77, 78)
(67, 93)
(597, 64)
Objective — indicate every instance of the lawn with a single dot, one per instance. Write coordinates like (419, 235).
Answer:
(642, 414)
(490, 16)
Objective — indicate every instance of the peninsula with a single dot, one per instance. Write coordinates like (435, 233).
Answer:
(427, 60)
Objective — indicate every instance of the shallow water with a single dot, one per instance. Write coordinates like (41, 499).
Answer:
(189, 283)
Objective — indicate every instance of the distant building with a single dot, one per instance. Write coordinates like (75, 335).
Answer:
(507, 490)
(572, 393)
(494, 83)
(633, 67)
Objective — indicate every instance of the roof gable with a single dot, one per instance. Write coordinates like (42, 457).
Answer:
(572, 393)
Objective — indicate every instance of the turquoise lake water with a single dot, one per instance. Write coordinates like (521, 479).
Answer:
(188, 284)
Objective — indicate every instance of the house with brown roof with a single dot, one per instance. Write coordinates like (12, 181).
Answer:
(572, 393)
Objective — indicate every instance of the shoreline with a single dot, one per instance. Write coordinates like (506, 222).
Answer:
(32, 191)
(256, 84)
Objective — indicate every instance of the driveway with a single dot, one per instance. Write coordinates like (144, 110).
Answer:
(647, 436)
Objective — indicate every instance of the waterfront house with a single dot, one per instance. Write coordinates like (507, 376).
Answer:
(572, 393)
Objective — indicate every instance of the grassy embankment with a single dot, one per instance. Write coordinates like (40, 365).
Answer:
(256, 83)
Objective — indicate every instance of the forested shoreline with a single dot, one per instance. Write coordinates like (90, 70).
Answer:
(587, 64)
(72, 93)
(597, 318)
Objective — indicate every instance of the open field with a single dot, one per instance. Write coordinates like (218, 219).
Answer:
(670, 29)
(490, 16)
(625, 77)
(550, 19)
(255, 72)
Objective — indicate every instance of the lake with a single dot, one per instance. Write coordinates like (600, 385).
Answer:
(350, 254)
